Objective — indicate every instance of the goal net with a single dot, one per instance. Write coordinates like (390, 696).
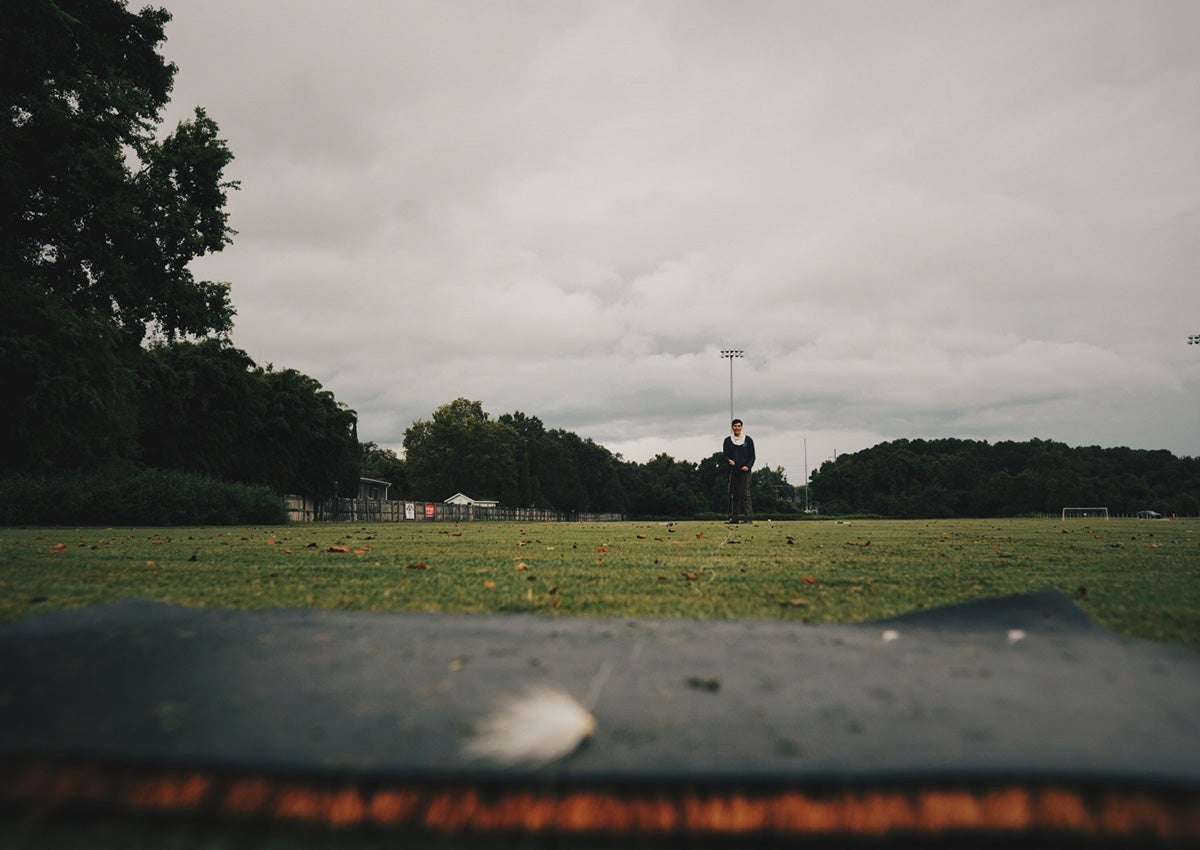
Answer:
(1085, 513)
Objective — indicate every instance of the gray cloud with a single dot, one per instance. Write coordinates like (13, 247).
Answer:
(918, 219)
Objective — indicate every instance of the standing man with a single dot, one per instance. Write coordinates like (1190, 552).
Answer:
(739, 455)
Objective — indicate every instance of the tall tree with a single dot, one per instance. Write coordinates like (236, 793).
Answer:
(531, 439)
(98, 223)
(206, 407)
(462, 450)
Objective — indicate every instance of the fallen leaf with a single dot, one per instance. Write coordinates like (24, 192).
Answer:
(361, 551)
(489, 584)
(601, 550)
(522, 566)
(794, 603)
(689, 576)
(810, 580)
(1081, 592)
(700, 536)
(419, 565)
(338, 549)
(700, 683)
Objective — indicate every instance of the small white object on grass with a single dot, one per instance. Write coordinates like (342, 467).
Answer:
(539, 727)
(1015, 636)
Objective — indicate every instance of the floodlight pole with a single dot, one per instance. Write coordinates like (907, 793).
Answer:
(729, 354)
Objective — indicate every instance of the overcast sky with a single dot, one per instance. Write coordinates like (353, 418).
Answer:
(918, 219)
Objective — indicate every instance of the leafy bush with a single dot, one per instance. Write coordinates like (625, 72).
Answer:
(136, 497)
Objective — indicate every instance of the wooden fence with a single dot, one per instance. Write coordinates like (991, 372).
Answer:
(301, 509)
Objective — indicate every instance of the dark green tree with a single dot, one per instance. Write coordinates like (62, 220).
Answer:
(205, 407)
(98, 222)
(461, 449)
(308, 439)
(531, 447)
(201, 409)
(664, 486)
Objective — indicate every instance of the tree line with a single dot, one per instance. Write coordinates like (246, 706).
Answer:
(517, 460)
(970, 478)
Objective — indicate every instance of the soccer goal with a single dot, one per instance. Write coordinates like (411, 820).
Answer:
(1085, 513)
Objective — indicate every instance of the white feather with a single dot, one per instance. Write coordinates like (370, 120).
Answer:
(542, 725)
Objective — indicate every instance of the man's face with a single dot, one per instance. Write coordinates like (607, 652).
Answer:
(737, 429)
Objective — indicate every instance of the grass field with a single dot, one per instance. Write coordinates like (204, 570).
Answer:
(1139, 577)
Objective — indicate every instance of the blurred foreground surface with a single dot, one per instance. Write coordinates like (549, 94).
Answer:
(972, 717)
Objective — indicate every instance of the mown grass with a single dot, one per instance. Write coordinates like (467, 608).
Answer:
(1141, 578)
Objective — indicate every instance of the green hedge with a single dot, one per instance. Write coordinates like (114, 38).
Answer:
(136, 497)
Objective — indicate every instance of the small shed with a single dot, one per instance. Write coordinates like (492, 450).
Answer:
(373, 490)
(464, 499)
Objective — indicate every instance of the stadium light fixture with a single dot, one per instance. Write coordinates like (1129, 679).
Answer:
(729, 354)
(1194, 339)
